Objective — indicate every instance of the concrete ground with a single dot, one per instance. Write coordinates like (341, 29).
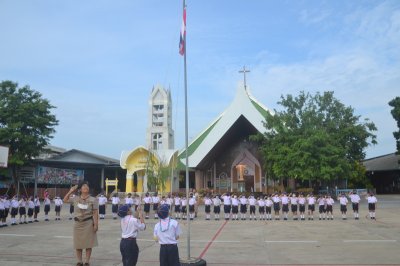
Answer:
(337, 242)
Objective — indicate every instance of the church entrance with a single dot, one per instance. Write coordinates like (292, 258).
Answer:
(246, 173)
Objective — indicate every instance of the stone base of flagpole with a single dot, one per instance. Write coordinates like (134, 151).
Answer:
(193, 262)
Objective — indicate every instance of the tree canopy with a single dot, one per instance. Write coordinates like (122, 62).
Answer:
(26, 122)
(315, 137)
(395, 103)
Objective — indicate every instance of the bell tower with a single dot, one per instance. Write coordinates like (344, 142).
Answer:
(160, 135)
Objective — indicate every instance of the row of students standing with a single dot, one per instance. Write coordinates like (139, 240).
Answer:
(24, 210)
(233, 204)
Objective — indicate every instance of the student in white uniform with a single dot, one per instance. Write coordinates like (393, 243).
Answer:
(285, 205)
(268, 206)
(235, 208)
(261, 207)
(177, 204)
(136, 201)
(22, 210)
(276, 200)
(47, 204)
(192, 204)
(147, 202)
(311, 206)
(226, 198)
(170, 201)
(36, 202)
(114, 205)
(243, 207)
(155, 200)
(2, 211)
(343, 205)
(130, 226)
(129, 200)
(71, 206)
(371, 199)
(58, 202)
(167, 232)
(207, 206)
(252, 207)
(293, 204)
(184, 206)
(102, 206)
(302, 206)
(355, 200)
(7, 204)
(329, 207)
(31, 209)
(14, 209)
(217, 207)
(321, 207)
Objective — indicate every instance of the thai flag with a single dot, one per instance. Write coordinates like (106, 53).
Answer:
(183, 34)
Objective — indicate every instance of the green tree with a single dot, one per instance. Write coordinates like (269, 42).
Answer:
(315, 138)
(395, 103)
(26, 123)
(157, 173)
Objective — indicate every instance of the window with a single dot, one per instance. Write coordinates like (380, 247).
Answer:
(157, 141)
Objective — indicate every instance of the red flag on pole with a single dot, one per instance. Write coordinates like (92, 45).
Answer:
(183, 34)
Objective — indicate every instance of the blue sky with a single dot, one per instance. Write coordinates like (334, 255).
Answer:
(98, 60)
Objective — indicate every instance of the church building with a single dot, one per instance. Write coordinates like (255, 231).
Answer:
(222, 157)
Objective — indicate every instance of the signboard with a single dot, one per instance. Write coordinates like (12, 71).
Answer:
(223, 181)
(4, 156)
(50, 175)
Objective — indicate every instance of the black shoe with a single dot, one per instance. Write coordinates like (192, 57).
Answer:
(30, 222)
(285, 219)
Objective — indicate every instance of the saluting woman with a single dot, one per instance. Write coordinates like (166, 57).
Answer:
(86, 221)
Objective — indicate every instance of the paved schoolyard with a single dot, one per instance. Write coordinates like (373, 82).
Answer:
(363, 242)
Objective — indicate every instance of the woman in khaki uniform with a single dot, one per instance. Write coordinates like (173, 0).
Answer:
(86, 221)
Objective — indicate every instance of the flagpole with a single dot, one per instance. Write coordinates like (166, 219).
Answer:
(186, 140)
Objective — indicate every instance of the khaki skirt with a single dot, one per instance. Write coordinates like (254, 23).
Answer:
(84, 236)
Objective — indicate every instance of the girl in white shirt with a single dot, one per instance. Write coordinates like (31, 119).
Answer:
(58, 202)
(22, 210)
(321, 207)
(355, 200)
(261, 208)
(129, 231)
(31, 208)
(329, 207)
(276, 200)
(114, 205)
(46, 208)
(243, 207)
(183, 210)
(102, 206)
(252, 207)
(235, 208)
(293, 204)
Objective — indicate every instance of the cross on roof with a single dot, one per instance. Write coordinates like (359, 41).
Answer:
(244, 71)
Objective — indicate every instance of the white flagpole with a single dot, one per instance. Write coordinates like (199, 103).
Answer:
(186, 139)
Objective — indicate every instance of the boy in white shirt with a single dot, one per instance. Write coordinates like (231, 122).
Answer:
(129, 231)
(58, 202)
(329, 207)
(114, 205)
(31, 209)
(321, 207)
(147, 202)
(243, 207)
(155, 200)
(192, 203)
(311, 206)
(235, 208)
(46, 207)
(371, 205)
(167, 232)
(177, 204)
(268, 207)
(217, 207)
(355, 200)
(207, 206)
(36, 202)
(252, 207)
(183, 208)
(285, 205)
(343, 206)
(261, 208)
(302, 206)
(226, 198)
(22, 210)
(276, 200)
(293, 204)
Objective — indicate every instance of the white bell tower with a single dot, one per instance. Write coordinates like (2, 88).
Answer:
(160, 135)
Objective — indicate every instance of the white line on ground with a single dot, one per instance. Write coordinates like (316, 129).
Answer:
(291, 241)
(369, 240)
(63, 236)
(16, 235)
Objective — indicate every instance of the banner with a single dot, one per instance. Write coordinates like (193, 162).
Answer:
(49, 175)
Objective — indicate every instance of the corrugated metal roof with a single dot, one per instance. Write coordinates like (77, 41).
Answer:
(388, 162)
